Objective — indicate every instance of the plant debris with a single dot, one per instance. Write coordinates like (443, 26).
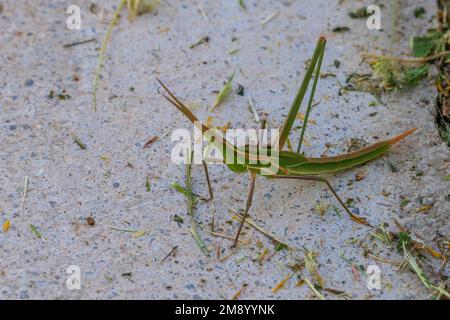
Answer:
(135, 7)
(36, 232)
(177, 218)
(77, 43)
(314, 290)
(312, 267)
(25, 191)
(63, 95)
(321, 208)
(415, 267)
(147, 185)
(242, 4)
(253, 224)
(6, 226)
(240, 91)
(359, 13)
(149, 142)
(270, 18)
(393, 76)
(78, 142)
(138, 7)
(239, 292)
(419, 12)
(202, 40)
(281, 284)
(341, 29)
(223, 93)
(280, 247)
(171, 253)
(253, 109)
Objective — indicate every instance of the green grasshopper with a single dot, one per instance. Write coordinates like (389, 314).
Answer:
(292, 165)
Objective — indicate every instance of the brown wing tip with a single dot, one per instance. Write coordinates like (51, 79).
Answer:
(401, 136)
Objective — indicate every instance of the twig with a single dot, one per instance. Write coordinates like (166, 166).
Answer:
(150, 141)
(25, 191)
(252, 223)
(395, 263)
(124, 230)
(222, 259)
(404, 59)
(281, 283)
(169, 254)
(73, 44)
(220, 235)
(213, 221)
(239, 293)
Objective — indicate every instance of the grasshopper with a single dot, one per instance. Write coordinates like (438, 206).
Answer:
(292, 165)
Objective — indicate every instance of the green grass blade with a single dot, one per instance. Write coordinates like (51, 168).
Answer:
(190, 201)
(311, 97)
(101, 57)
(301, 93)
(317, 293)
(189, 195)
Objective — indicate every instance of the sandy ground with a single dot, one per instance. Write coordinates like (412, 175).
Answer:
(107, 180)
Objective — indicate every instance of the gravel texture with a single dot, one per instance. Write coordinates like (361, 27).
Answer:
(107, 180)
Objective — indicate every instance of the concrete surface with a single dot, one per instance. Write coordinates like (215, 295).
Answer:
(67, 184)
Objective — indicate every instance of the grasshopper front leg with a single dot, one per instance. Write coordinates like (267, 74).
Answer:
(353, 216)
(208, 181)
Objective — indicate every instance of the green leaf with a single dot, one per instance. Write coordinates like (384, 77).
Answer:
(180, 189)
(413, 75)
(423, 46)
(403, 241)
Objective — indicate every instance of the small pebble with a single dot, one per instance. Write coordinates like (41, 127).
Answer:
(90, 221)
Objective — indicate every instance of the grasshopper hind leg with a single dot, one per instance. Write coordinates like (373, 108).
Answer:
(353, 216)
